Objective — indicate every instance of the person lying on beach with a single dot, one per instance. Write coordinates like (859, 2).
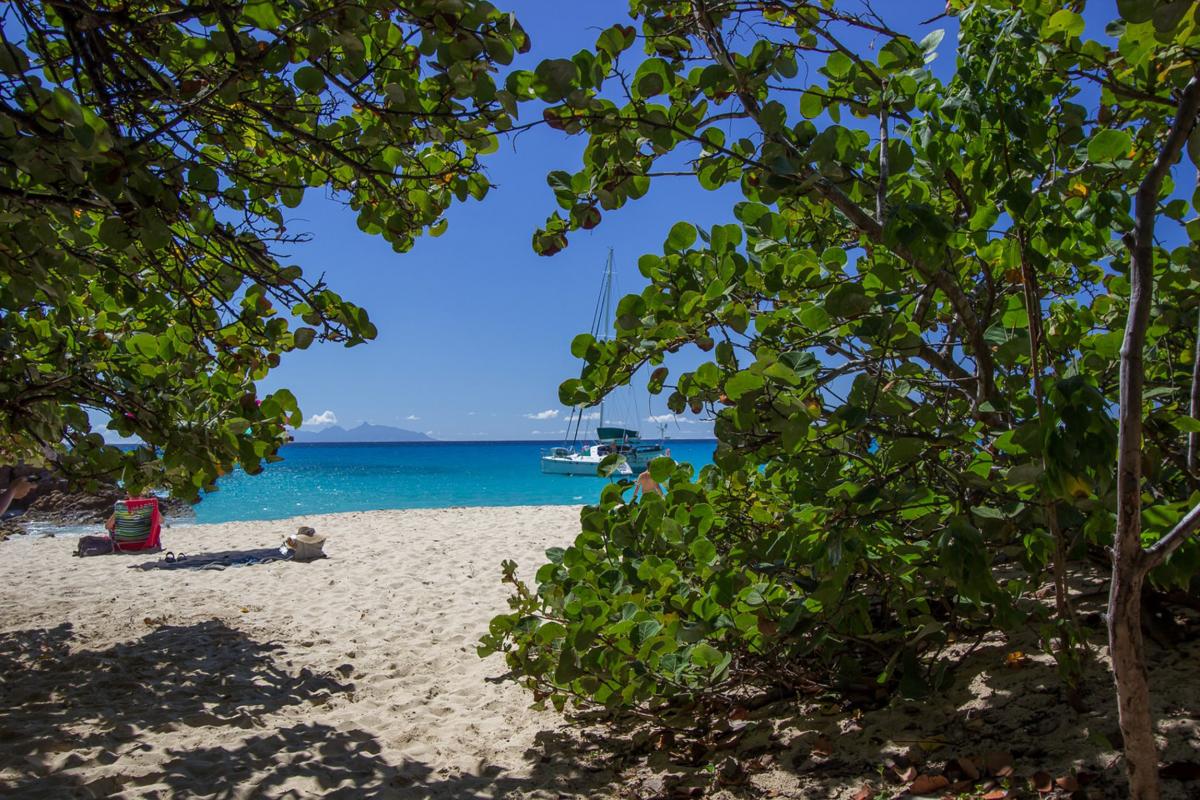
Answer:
(306, 544)
(645, 485)
(17, 490)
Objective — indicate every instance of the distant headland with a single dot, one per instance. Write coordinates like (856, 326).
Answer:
(365, 432)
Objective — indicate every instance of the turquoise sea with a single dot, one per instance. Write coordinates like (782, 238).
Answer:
(332, 478)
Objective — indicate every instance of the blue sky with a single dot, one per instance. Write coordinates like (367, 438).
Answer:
(474, 328)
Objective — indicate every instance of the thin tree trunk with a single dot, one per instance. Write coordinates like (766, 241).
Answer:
(1067, 638)
(884, 168)
(1130, 561)
(1193, 452)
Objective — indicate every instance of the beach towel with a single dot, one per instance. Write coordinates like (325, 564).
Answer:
(214, 561)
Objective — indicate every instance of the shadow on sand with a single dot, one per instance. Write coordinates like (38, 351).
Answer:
(71, 722)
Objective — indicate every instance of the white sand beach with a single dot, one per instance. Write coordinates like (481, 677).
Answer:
(357, 677)
(353, 676)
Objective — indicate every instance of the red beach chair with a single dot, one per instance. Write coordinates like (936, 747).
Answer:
(137, 524)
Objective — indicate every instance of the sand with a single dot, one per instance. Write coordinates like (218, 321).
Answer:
(357, 676)
(354, 676)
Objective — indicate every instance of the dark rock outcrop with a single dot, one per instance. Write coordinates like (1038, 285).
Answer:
(53, 502)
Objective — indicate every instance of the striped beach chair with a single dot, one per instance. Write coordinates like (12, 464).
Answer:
(137, 524)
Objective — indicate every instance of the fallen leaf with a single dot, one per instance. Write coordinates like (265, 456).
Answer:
(1015, 659)
(245, 610)
(863, 793)
(1042, 781)
(929, 745)
(996, 794)
(927, 784)
(906, 774)
(1067, 783)
(739, 713)
(822, 746)
(999, 763)
(968, 768)
(730, 772)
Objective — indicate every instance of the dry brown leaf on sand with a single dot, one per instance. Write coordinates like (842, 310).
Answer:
(928, 784)
(864, 793)
(1067, 783)
(1015, 659)
(1043, 782)
(996, 794)
(999, 763)
(968, 768)
(822, 746)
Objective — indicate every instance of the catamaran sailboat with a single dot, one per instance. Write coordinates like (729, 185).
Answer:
(576, 459)
(569, 460)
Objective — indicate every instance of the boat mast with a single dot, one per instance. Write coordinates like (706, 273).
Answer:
(600, 316)
(606, 290)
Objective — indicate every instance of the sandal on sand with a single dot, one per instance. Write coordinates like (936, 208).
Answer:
(169, 557)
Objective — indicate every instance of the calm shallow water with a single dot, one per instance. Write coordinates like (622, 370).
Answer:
(333, 478)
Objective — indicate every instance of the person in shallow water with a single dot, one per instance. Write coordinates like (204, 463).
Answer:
(645, 485)
(19, 488)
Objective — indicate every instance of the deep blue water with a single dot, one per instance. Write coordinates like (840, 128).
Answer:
(332, 478)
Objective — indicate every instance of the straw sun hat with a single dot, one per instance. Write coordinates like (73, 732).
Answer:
(307, 535)
(307, 544)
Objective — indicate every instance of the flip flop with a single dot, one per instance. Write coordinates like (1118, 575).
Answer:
(169, 557)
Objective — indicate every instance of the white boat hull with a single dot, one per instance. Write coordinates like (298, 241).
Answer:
(577, 465)
(563, 461)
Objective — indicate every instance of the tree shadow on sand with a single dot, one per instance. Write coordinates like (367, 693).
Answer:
(55, 701)
(72, 723)
(311, 759)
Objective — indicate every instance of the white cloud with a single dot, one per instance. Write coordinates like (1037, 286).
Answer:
(411, 417)
(662, 419)
(472, 413)
(591, 415)
(549, 413)
(328, 418)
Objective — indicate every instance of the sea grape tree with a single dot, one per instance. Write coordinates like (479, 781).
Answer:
(915, 319)
(151, 151)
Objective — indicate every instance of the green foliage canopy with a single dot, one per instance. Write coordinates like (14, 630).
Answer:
(914, 326)
(149, 153)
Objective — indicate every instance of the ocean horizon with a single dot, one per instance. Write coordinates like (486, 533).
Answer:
(340, 477)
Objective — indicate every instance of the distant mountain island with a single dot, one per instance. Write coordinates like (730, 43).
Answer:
(363, 433)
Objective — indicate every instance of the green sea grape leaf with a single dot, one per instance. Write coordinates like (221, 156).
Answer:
(1108, 146)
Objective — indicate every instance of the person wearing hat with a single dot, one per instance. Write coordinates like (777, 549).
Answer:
(307, 544)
